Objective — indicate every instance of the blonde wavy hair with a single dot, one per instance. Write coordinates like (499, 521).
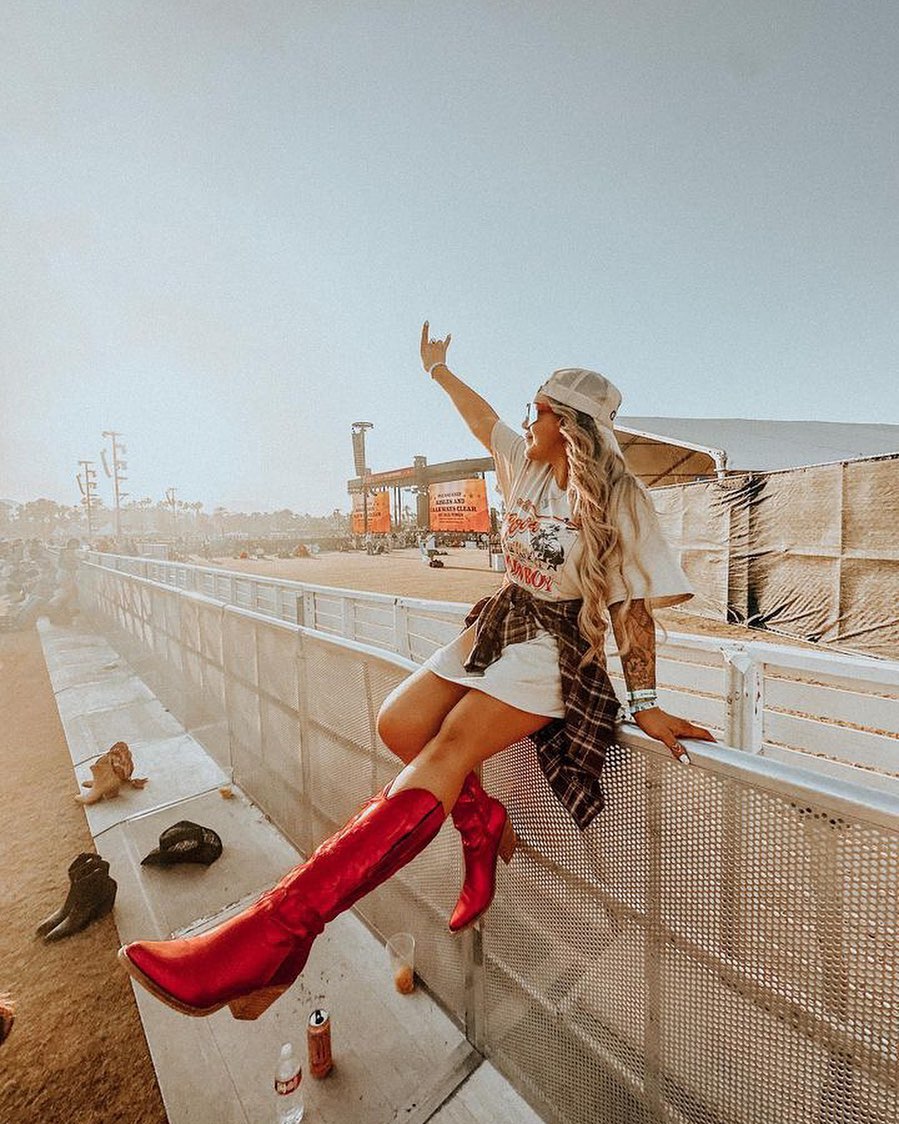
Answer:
(602, 491)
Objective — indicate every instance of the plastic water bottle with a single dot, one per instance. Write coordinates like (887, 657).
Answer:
(289, 1087)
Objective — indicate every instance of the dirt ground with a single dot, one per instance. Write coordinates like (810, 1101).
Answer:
(77, 1052)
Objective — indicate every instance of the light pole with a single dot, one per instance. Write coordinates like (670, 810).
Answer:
(172, 502)
(87, 484)
(359, 429)
(116, 473)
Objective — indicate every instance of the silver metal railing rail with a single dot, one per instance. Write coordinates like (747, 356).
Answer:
(838, 714)
(719, 947)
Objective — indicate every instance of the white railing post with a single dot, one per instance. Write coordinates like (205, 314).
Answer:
(744, 699)
(401, 629)
(348, 612)
(308, 620)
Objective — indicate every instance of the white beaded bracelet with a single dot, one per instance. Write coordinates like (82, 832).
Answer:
(439, 363)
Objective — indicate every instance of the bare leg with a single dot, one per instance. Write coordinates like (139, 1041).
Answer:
(433, 726)
(473, 730)
(413, 713)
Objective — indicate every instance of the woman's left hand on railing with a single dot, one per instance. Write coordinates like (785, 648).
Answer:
(667, 728)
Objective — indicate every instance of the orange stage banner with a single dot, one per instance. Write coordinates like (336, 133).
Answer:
(378, 514)
(459, 505)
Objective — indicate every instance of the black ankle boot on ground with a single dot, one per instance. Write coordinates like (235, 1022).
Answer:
(78, 867)
(91, 895)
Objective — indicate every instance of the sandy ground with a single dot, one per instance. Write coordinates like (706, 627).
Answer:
(465, 576)
(77, 1052)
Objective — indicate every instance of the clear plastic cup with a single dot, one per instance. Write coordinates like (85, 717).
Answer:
(401, 953)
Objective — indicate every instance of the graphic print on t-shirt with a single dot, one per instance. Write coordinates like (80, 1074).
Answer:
(543, 551)
(536, 546)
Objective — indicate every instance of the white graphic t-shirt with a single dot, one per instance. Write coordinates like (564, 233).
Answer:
(542, 549)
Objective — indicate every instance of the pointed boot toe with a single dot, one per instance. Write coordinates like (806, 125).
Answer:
(7, 1016)
(231, 963)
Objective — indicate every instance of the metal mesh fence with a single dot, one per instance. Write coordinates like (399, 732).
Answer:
(719, 947)
(712, 949)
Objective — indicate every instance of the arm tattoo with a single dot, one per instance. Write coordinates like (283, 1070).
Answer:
(636, 633)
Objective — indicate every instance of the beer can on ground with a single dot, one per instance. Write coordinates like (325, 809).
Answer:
(318, 1039)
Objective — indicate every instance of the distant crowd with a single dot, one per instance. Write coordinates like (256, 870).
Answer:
(37, 581)
(182, 549)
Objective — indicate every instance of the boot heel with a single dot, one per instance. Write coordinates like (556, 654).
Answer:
(253, 1005)
(508, 842)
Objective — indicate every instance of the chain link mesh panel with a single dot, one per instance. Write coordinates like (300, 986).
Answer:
(177, 652)
(266, 599)
(375, 623)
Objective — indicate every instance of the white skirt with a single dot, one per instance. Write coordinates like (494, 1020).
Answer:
(525, 676)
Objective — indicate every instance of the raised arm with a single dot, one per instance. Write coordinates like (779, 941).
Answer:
(478, 415)
(635, 633)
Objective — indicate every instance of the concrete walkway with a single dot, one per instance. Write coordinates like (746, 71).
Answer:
(397, 1058)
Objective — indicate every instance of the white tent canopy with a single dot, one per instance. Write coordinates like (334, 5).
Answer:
(676, 450)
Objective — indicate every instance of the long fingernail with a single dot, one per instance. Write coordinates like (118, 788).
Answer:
(685, 757)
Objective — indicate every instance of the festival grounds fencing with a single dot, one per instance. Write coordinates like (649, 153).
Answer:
(835, 713)
(719, 947)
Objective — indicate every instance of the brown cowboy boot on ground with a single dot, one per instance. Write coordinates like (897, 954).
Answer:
(109, 773)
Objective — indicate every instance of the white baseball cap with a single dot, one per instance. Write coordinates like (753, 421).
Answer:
(587, 391)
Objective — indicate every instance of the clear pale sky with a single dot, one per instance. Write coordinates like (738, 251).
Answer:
(222, 224)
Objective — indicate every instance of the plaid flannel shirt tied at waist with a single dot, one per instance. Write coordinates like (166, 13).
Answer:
(571, 751)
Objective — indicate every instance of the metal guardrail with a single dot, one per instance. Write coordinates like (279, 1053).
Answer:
(719, 947)
(838, 714)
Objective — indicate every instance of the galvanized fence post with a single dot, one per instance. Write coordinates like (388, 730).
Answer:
(401, 629)
(744, 698)
(348, 623)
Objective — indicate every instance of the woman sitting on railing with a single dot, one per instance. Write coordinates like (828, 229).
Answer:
(581, 540)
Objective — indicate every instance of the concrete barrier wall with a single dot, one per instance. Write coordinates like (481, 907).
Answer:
(720, 946)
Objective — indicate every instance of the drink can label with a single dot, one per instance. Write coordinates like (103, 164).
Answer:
(318, 1039)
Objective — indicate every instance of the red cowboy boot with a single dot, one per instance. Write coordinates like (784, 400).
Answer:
(486, 832)
(251, 959)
